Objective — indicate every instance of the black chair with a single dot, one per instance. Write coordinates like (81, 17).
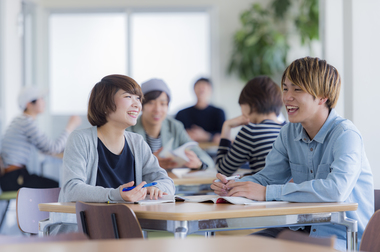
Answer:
(107, 221)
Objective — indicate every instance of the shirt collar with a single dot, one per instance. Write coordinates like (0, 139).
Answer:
(321, 135)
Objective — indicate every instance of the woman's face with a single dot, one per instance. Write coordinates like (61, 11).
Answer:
(38, 107)
(128, 107)
(155, 111)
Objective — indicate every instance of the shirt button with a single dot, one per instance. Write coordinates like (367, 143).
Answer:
(311, 171)
(314, 230)
(304, 139)
(311, 149)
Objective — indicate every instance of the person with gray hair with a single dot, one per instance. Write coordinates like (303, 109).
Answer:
(22, 136)
(158, 129)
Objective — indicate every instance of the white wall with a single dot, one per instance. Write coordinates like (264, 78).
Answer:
(11, 62)
(352, 45)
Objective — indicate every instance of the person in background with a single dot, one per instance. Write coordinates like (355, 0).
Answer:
(22, 135)
(260, 102)
(323, 153)
(158, 129)
(203, 122)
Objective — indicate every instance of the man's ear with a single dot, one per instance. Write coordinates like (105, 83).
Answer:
(322, 101)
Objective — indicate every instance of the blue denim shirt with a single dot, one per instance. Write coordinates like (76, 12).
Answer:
(332, 167)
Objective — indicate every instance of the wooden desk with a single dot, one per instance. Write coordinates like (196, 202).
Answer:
(185, 218)
(225, 244)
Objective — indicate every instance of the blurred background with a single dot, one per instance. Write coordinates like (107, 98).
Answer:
(66, 46)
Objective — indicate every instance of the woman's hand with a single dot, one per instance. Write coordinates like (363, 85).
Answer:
(166, 163)
(136, 194)
(233, 123)
(194, 162)
(155, 193)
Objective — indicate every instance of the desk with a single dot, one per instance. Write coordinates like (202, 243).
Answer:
(183, 218)
(193, 182)
(225, 244)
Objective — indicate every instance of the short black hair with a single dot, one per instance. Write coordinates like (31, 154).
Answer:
(153, 95)
(203, 79)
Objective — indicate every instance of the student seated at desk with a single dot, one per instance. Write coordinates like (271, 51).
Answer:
(260, 102)
(203, 122)
(323, 153)
(22, 136)
(158, 129)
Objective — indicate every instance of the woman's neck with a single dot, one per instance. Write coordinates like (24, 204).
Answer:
(112, 137)
(153, 130)
(30, 114)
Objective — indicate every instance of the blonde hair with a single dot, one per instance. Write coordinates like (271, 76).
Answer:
(315, 77)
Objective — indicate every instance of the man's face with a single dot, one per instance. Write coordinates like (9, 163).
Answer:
(203, 90)
(301, 106)
(155, 111)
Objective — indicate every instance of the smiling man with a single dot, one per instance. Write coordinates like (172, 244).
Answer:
(322, 152)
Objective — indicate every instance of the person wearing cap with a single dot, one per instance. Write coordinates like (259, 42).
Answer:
(158, 129)
(22, 136)
(203, 122)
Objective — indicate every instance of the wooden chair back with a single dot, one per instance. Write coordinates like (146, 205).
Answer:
(300, 237)
(107, 221)
(28, 214)
(370, 239)
(377, 200)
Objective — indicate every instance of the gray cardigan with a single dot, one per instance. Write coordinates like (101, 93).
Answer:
(172, 128)
(80, 166)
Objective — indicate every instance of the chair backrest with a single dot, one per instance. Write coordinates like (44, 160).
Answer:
(5, 239)
(377, 200)
(370, 239)
(28, 214)
(107, 221)
(301, 237)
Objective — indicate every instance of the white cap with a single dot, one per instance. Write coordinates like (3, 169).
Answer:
(28, 94)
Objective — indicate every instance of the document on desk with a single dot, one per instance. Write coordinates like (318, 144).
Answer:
(148, 201)
(224, 199)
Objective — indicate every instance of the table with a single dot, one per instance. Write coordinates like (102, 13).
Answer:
(225, 244)
(194, 182)
(182, 218)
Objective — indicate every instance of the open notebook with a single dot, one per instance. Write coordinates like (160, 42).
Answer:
(203, 199)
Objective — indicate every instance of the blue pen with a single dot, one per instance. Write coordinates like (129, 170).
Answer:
(132, 187)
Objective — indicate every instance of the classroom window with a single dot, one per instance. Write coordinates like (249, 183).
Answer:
(84, 47)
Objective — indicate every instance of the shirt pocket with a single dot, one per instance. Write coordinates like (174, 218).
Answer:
(299, 173)
(323, 171)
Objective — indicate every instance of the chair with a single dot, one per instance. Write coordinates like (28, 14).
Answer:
(377, 200)
(113, 221)
(370, 239)
(28, 214)
(304, 238)
(5, 239)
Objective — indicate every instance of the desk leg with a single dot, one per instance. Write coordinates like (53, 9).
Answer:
(180, 229)
(209, 234)
(351, 229)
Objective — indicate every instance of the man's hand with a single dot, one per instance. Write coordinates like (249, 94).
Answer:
(194, 162)
(220, 188)
(248, 189)
(198, 134)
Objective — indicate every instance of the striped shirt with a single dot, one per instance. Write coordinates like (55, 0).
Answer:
(20, 137)
(252, 144)
(154, 143)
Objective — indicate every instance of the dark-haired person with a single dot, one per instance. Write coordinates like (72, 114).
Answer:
(203, 122)
(260, 102)
(158, 129)
(22, 136)
(323, 153)
(101, 160)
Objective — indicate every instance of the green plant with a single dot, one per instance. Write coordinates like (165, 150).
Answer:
(261, 45)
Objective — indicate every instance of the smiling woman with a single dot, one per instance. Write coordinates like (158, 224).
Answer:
(100, 161)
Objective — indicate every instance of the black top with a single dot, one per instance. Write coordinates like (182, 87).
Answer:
(115, 170)
(211, 119)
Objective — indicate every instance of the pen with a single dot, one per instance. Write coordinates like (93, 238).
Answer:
(132, 187)
(229, 178)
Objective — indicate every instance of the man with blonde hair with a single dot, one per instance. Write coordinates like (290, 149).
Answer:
(322, 152)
